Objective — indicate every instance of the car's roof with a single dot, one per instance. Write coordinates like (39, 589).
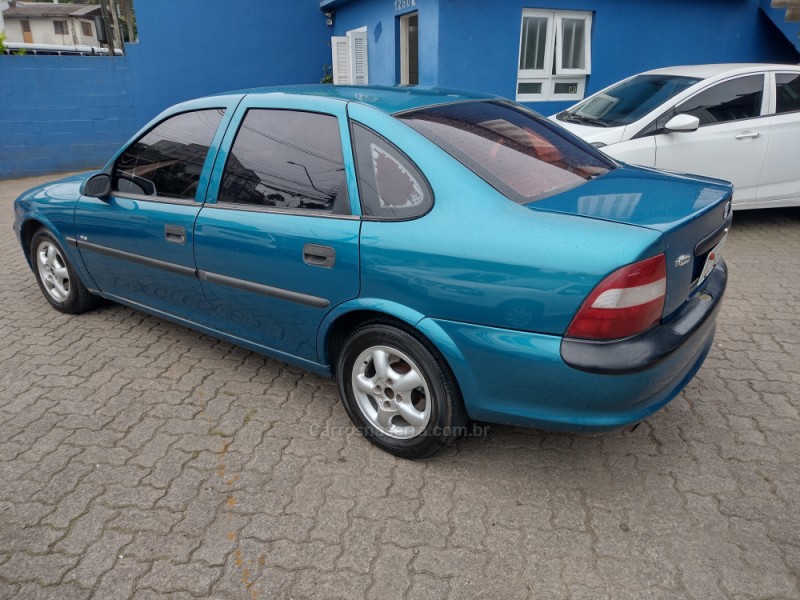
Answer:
(706, 71)
(390, 99)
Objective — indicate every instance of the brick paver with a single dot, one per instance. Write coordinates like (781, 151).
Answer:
(141, 459)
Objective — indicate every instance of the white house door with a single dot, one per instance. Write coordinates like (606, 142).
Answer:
(27, 36)
(409, 49)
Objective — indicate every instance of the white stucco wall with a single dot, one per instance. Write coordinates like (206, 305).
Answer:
(43, 31)
(3, 6)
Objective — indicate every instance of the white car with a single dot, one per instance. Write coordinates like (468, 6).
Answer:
(738, 122)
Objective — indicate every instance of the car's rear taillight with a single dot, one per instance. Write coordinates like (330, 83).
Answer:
(625, 303)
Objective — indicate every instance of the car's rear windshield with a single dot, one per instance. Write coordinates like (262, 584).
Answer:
(519, 153)
(628, 101)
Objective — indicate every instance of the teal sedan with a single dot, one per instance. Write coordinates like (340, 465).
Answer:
(446, 256)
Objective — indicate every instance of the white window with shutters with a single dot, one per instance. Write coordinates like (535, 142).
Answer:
(554, 55)
(350, 58)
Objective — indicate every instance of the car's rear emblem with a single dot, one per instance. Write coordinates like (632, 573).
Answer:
(683, 259)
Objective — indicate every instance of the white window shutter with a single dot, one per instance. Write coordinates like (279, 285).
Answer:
(340, 50)
(359, 62)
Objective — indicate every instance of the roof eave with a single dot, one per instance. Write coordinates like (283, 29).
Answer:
(332, 4)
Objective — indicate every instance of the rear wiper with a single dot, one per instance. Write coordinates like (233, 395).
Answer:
(585, 119)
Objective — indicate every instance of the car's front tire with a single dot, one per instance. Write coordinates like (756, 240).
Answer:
(57, 278)
(399, 392)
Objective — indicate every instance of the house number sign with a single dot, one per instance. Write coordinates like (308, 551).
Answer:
(403, 4)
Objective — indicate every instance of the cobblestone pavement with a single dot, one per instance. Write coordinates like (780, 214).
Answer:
(141, 459)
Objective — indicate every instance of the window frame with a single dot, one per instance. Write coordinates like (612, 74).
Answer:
(325, 214)
(405, 67)
(586, 17)
(111, 169)
(63, 24)
(548, 49)
(553, 72)
(87, 25)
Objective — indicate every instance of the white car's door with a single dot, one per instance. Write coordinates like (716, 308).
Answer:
(780, 177)
(731, 141)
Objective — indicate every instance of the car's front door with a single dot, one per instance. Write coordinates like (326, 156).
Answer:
(276, 243)
(780, 177)
(137, 242)
(731, 141)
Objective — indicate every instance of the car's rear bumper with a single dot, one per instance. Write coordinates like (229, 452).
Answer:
(647, 349)
(520, 378)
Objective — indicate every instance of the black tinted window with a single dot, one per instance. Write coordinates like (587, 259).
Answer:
(728, 101)
(167, 160)
(389, 185)
(522, 155)
(286, 159)
(787, 93)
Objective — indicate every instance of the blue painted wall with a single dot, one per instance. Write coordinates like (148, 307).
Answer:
(62, 112)
(191, 48)
(791, 29)
(71, 112)
(475, 45)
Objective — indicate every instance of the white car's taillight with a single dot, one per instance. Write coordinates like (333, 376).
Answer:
(625, 303)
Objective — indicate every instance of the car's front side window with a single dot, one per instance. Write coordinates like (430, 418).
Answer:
(731, 100)
(286, 159)
(167, 160)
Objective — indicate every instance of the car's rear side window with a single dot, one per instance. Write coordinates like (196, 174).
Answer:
(168, 159)
(286, 159)
(390, 185)
(787, 87)
(519, 153)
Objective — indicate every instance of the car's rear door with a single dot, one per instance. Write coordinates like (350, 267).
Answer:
(731, 141)
(780, 177)
(137, 242)
(276, 243)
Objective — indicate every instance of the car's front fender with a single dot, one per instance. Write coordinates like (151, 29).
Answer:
(52, 206)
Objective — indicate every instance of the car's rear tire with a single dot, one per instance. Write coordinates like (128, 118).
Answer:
(398, 391)
(56, 277)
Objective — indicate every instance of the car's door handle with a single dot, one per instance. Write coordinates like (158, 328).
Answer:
(175, 234)
(319, 256)
(748, 135)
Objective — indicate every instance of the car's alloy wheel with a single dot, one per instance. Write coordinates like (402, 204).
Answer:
(399, 391)
(56, 278)
(391, 392)
(53, 271)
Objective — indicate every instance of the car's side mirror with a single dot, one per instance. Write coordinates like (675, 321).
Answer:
(98, 186)
(133, 184)
(683, 122)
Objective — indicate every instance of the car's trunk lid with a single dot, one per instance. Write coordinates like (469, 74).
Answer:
(692, 213)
